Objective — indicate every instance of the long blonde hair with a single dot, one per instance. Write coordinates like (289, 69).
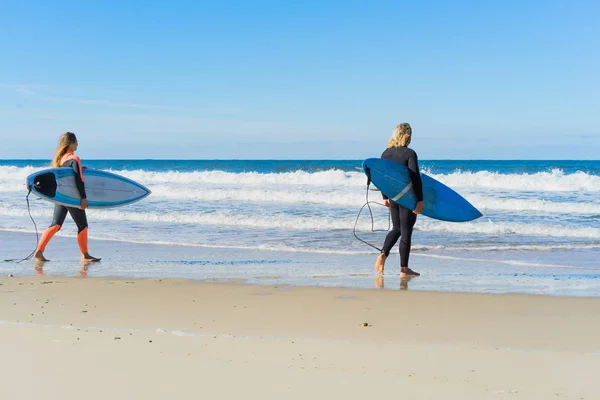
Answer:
(401, 136)
(66, 140)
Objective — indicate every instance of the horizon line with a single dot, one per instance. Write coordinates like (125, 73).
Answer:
(304, 159)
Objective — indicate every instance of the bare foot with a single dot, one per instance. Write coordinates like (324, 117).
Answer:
(379, 282)
(405, 271)
(38, 255)
(380, 263)
(88, 257)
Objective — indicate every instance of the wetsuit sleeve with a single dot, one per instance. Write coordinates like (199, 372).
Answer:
(76, 165)
(415, 176)
(383, 156)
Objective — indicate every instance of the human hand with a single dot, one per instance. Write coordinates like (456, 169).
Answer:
(386, 203)
(419, 208)
(84, 204)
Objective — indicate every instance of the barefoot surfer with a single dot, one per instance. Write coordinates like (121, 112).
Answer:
(403, 219)
(65, 157)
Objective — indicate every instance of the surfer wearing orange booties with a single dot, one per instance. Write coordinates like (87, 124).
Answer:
(403, 219)
(65, 157)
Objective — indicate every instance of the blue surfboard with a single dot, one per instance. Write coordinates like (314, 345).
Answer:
(441, 202)
(103, 189)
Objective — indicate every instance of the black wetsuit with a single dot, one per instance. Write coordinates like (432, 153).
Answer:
(403, 219)
(78, 215)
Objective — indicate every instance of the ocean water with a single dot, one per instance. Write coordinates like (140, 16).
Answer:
(535, 213)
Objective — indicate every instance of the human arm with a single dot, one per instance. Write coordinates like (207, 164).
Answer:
(386, 200)
(79, 181)
(415, 176)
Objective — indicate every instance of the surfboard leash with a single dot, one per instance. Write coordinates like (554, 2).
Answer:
(16, 260)
(368, 205)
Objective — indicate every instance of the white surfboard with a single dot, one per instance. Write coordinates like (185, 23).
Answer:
(103, 189)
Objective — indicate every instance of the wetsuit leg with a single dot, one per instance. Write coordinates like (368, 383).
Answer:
(80, 219)
(394, 234)
(407, 223)
(60, 213)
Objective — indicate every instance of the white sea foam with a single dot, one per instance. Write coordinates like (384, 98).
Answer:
(344, 189)
(417, 249)
(291, 222)
(484, 203)
(329, 178)
(552, 181)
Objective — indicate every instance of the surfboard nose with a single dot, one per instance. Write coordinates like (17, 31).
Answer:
(29, 182)
(42, 183)
(475, 213)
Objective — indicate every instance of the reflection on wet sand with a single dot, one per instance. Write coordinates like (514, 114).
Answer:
(404, 282)
(38, 267)
(83, 271)
(380, 284)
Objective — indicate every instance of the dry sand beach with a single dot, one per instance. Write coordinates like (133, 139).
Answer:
(99, 338)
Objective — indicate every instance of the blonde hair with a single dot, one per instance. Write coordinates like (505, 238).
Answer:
(66, 140)
(401, 136)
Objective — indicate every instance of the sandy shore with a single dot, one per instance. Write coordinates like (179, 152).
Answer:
(95, 338)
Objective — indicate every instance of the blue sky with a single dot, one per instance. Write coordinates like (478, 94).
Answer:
(316, 79)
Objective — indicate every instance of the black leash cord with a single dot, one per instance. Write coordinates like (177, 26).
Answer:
(368, 205)
(36, 234)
